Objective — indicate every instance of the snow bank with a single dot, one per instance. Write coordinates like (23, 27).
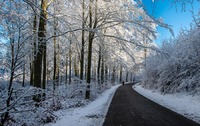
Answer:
(182, 103)
(91, 115)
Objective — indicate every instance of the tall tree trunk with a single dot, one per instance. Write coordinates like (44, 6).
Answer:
(56, 49)
(99, 65)
(41, 50)
(58, 64)
(89, 67)
(54, 62)
(83, 41)
(70, 64)
(91, 37)
(33, 46)
(44, 69)
(66, 70)
(102, 70)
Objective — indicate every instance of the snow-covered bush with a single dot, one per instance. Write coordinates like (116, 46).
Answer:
(178, 67)
(25, 111)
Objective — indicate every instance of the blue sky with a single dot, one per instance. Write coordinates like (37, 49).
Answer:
(172, 16)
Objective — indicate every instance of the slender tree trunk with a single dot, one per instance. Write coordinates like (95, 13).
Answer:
(55, 62)
(89, 67)
(70, 64)
(99, 65)
(55, 68)
(44, 70)
(83, 41)
(120, 74)
(32, 66)
(102, 70)
(56, 49)
(23, 78)
(58, 64)
(66, 70)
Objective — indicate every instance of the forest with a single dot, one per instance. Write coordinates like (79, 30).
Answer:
(60, 54)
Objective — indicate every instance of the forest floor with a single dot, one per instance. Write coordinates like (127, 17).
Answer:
(129, 108)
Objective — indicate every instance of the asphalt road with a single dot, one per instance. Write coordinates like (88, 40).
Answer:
(129, 108)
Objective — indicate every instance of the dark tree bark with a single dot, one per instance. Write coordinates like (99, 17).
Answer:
(31, 71)
(41, 53)
(120, 74)
(44, 69)
(102, 70)
(83, 41)
(70, 64)
(24, 75)
(99, 65)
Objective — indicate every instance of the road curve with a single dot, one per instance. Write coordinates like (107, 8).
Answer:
(129, 108)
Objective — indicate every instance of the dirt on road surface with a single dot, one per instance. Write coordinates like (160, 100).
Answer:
(128, 108)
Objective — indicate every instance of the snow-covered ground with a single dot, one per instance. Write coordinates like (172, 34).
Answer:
(91, 115)
(182, 103)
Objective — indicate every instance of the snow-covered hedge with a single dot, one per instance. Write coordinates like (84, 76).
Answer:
(178, 68)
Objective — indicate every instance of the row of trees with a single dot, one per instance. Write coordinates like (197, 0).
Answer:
(176, 69)
(53, 42)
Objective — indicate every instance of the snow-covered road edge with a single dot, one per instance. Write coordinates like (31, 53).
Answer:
(91, 115)
(182, 103)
